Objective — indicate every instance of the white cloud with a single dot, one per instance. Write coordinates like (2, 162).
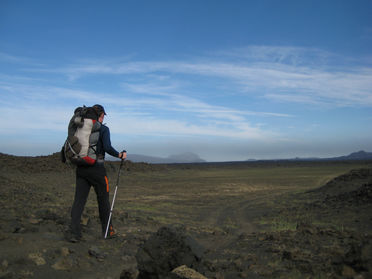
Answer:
(285, 71)
(158, 102)
(286, 55)
(12, 59)
(21, 119)
(178, 98)
(48, 108)
(148, 126)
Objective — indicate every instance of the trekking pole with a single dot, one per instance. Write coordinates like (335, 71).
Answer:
(113, 199)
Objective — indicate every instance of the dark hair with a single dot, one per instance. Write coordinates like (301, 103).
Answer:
(99, 109)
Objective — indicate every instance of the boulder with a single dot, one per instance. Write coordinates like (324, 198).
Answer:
(63, 263)
(96, 252)
(165, 250)
(37, 258)
(184, 272)
(129, 272)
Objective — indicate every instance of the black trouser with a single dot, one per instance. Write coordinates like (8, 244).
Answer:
(85, 178)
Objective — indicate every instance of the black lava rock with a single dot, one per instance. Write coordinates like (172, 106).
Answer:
(168, 248)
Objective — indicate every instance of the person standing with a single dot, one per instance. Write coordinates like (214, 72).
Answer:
(94, 176)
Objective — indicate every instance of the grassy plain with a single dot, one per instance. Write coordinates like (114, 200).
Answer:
(239, 197)
(255, 219)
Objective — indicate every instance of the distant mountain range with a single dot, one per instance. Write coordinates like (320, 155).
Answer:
(187, 157)
(360, 155)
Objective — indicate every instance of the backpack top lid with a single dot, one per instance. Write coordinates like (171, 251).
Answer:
(87, 112)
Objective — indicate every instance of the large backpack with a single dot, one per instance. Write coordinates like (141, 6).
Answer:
(83, 134)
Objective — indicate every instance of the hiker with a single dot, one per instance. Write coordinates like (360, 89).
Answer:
(94, 175)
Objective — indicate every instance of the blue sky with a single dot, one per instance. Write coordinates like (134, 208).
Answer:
(228, 80)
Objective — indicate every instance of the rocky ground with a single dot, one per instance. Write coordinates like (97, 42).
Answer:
(323, 232)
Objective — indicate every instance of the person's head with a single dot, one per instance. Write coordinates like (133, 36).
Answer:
(100, 112)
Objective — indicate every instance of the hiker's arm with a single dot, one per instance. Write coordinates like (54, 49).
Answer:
(107, 143)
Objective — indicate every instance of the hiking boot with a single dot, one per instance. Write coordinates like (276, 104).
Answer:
(111, 233)
(71, 237)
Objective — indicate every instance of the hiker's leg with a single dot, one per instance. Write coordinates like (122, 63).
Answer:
(101, 187)
(81, 195)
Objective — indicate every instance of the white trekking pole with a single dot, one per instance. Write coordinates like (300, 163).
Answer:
(113, 199)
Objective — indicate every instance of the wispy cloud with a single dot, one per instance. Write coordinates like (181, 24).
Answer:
(201, 119)
(5, 57)
(167, 127)
(308, 75)
(158, 98)
(287, 55)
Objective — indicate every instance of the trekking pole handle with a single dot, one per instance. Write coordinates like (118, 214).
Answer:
(122, 152)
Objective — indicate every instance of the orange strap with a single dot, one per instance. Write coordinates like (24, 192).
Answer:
(107, 184)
